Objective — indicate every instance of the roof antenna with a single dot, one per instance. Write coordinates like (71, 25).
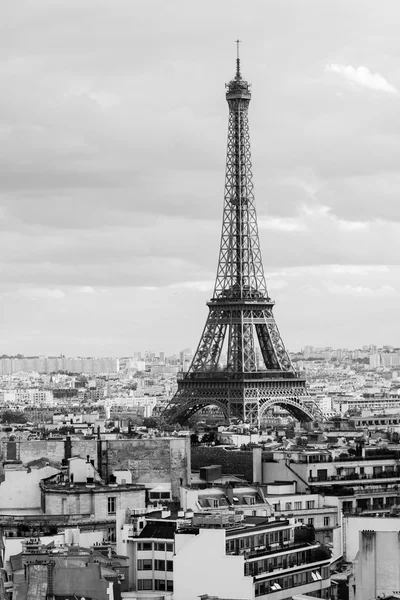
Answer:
(238, 75)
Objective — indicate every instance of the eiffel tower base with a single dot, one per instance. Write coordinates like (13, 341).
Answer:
(247, 400)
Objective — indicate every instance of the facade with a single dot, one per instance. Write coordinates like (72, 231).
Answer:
(376, 567)
(95, 500)
(226, 555)
(59, 363)
(357, 484)
(161, 460)
(151, 557)
(321, 512)
(258, 558)
(319, 469)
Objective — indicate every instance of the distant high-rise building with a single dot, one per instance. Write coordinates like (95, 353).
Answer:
(374, 361)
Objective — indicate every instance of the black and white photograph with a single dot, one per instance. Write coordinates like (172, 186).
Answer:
(199, 300)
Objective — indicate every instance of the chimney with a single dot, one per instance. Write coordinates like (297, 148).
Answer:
(67, 448)
(229, 492)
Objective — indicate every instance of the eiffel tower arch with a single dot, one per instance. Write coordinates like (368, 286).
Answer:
(241, 364)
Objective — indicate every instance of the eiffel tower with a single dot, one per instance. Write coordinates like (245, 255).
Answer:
(257, 372)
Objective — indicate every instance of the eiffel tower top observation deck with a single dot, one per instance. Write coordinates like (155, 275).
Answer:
(241, 364)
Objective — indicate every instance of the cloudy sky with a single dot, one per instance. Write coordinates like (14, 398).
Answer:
(113, 125)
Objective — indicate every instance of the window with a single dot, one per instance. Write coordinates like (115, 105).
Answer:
(159, 565)
(145, 584)
(111, 504)
(249, 499)
(170, 586)
(310, 504)
(145, 546)
(275, 586)
(288, 506)
(145, 564)
(277, 507)
(160, 546)
(325, 572)
(297, 506)
(327, 521)
(170, 565)
(159, 584)
(170, 547)
(300, 520)
(310, 521)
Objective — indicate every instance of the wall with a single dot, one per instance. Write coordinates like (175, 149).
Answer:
(219, 575)
(28, 450)
(352, 525)
(20, 489)
(280, 471)
(234, 462)
(377, 569)
(152, 461)
(189, 499)
(80, 470)
(93, 503)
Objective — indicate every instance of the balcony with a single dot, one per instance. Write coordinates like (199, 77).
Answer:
(224, 376)
(279, 548)
(316, 554)
(395, 474)
(384, 456)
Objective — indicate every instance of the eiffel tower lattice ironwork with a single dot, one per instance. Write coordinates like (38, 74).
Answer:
(258, 372)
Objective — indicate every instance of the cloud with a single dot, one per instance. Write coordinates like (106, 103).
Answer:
(200, 286)
(42, 293)
(359, 290)
(87, 289)
(281, 224)
(363, 77)
(113, 156)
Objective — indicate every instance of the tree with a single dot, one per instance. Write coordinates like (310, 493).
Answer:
(150, 423)
(13, 416)
(194, 439)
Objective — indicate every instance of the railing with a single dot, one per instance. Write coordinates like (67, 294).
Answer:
(225, 375)
(319, 554)
(388, 456)
(273, 549)
(357, 477)
(362, 512)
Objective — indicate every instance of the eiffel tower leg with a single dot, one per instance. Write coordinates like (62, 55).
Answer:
(209, 349)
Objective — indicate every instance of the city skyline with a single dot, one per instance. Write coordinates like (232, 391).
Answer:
(112, 171)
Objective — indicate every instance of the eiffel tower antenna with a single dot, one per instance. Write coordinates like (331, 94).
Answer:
(257, 372)
(238, 76)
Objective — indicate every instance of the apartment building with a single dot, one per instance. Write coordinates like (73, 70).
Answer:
(152, 555)
(228, 555)
(256, 558)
